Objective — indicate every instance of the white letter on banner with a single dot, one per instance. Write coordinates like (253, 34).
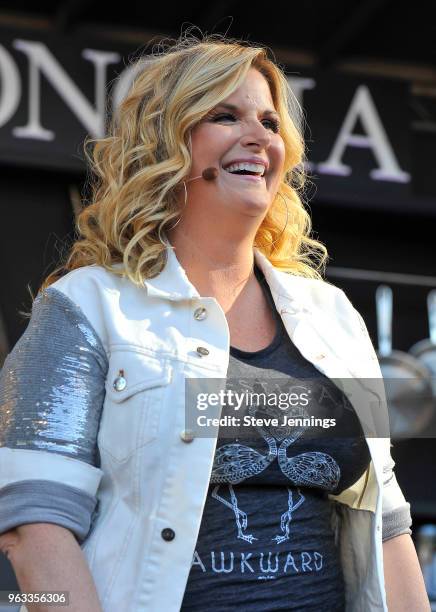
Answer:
(125, 81)
(363, 108)
(298, 86)
(41, 60)
(10, 86)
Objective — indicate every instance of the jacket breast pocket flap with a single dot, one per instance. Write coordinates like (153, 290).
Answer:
(135, 390)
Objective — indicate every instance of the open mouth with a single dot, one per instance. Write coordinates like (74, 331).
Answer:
(246, 169)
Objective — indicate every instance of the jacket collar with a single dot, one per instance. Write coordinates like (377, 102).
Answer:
(317, 338)
(172, 282)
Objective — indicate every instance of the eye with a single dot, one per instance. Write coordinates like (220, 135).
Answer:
(270, 124)
(223, 116)
(273, 124)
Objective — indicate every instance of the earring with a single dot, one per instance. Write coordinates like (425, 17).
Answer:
(287, 217)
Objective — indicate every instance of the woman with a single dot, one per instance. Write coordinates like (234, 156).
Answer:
(195, 262)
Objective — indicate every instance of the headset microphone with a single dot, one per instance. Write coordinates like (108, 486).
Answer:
(209, 174)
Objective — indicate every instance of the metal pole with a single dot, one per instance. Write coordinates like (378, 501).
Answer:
(378, 276)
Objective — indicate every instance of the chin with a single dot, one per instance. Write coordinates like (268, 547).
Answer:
(257, 206)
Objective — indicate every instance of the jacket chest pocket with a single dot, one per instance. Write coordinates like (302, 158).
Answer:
(135, 389)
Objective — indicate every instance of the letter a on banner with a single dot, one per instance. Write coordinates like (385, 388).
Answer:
(363, 108)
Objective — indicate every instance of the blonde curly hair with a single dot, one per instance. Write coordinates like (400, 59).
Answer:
(138, 166)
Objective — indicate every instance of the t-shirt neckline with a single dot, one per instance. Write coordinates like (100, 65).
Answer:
(236, 352)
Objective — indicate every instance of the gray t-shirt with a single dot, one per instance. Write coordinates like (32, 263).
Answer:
(266, 540)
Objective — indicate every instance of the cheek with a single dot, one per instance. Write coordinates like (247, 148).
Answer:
(210, 142)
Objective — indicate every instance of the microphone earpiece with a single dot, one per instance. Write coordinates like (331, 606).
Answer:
(209, 174)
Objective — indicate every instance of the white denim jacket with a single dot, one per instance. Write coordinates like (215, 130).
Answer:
(154, 477)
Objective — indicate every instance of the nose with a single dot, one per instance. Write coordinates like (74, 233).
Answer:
(255, 133)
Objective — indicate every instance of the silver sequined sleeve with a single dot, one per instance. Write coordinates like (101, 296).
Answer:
(51, 399)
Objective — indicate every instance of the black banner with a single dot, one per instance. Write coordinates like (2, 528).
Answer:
(55, 90)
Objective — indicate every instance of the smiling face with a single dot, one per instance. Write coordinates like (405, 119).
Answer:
(243, 129)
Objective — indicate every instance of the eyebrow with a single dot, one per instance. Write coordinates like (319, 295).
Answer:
(235, 108)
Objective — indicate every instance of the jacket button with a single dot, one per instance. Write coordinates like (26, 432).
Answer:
(187, 435)
(168, 534)
(202, 351)
(200, 314)
(120, 383)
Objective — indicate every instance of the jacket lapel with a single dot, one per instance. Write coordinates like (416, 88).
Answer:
(323, 341)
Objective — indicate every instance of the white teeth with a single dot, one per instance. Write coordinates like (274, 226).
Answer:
(257, 168)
